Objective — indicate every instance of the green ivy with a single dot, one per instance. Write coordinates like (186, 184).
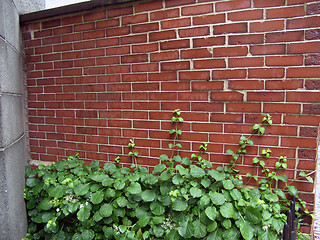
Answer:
(183, 198)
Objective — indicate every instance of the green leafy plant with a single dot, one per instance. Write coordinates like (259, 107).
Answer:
(183, 198)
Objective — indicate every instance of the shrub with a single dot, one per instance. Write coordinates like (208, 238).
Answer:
(183, 198)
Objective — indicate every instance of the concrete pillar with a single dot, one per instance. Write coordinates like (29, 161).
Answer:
(13, 154)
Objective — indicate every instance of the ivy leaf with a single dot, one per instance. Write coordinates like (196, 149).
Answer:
(158, 231)
(253, 215)
(83, 214)
(110, 167)
(172, 131)
(57, 191)
(134, 188)
(227, 184)
(293, 191)
(200, 230)
(216, 235)
(172, 235)
(119, 184)
(186, 161)
(157, 208)
(235, 194)
(211, 212)
(246, 230)
(81, 189)
(227, 210)
(165, 175)
(177, 180)
(196, 172)
(204, 200)
(159, 168)
(106, 210)
(179, 205)
(195, 192)
(76, 236)
(97, 197)
(217, 198)
(206, 182)
(183, 171)
(218, 176)
(267, 235)
(45, 204)
(122, 201)
(280, 193)
(186, 229)
(148, 195)
(87, 234)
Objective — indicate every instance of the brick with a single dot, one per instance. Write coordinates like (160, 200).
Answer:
(312, 59)
(209, 19)
(176, 23)
(63, 64)
(105, 60)
(174, 3)
(118, 50)
(62, 30)
(284, 60)
(116, 12)
(274, 3)
(84, 45)
(269, 49)
(145, 86)
(307, 154)
(243, 107)
(163, 56)
(86, 114)
(118, 69)
(246, 62)
(246, 85)
(309, 120)
(284, 84)
(51, 40)
(94, 34)
(94, 70)
(71, 20)
(163, 35)
(232, 5)
(256, 14)
(134, 77)
(195, 53)
(146, 105)
(208, 41)
(305, 22)
(194, 75)
(267, 26)
(168, 76)
(84, 27)
(313, 84)
(108, 23)
(42, 66)
(301, 142)
(94, 16)
(312, 34)
(207, 107)
(230, 51)
(165, 14)
(231, 28)
(161, 96)
(306, 96)
(144, 48)
(175, 44)
(313, 8)
(147, 67)
(193, 32)
(192, 96)
(43, 50)
(311, 109)
(175, 86)
(246, 39)
(174, 66)
(137, 18)
(285, 12)
(154, 5)
(228, 96)
(308, 132)
(207, 85)
(266, 73)
(134, 58)
(284, 37)
(62, 47)
(265, 96)
(118, 31)
(197, 10)
(51, 23)
(308, 72)
(71, 37)
(305, 47)
(143, 28)
(281, 108)
(229, 74)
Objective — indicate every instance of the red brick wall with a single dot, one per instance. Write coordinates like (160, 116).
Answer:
(96, 79)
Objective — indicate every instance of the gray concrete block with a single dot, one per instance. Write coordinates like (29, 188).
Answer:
(13, 213)
(11, 80)
(12, 26)
(2, 24)
(11, 119)
(26, 6)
